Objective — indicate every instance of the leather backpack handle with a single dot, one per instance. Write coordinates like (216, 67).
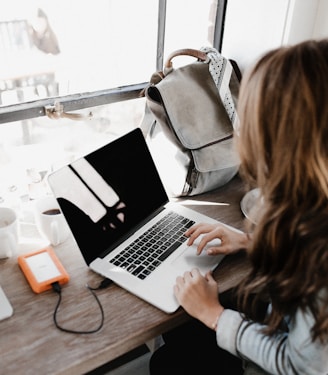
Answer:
(183, 52)
(158, 76)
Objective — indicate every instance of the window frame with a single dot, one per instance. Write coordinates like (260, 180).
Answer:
(73, 102)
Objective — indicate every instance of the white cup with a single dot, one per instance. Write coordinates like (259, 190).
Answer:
(8, 232)
(50, 220)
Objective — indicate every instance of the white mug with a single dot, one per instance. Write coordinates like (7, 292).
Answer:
(8, 232)
(50, 220)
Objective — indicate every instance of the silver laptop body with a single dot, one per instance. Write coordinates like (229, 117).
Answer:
(113, 196)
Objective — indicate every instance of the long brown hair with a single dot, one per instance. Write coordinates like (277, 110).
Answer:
(283, 147)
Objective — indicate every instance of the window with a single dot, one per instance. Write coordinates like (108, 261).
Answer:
(86, 57)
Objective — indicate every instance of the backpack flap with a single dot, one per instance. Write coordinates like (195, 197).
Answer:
(187, 104)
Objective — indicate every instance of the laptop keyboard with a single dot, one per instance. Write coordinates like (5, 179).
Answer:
(149, 250)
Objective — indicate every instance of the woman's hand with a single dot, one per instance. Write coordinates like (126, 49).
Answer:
(231, 240)
(198, 295)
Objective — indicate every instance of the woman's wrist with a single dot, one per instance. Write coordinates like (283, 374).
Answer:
(247, 238)
(212, 318)
(215, 323)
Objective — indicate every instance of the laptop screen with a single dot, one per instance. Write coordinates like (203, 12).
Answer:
(107, 194)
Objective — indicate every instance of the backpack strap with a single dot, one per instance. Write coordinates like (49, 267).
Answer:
(222, 71)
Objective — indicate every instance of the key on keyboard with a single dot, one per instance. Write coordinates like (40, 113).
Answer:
(148, 251)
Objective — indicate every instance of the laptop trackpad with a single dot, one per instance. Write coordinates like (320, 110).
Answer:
(189, 259)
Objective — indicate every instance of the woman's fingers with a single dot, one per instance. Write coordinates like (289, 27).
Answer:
(231, 240)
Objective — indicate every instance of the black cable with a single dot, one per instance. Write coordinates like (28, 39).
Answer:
(57, 288)
(104, 284)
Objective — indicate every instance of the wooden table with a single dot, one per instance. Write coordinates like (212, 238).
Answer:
(31, 344)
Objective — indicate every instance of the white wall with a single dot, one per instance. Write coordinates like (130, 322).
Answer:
(300, 20)
(255, 26)
(321, 22)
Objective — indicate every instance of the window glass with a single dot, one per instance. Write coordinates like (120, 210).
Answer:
(51, 48)
(58, 48)
(31, 149)
(189, 24)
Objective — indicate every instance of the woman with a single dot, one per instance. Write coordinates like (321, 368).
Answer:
(283, 148)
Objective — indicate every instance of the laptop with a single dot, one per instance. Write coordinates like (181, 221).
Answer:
(121, 218)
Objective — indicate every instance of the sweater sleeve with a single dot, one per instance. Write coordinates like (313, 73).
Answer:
(283, 353)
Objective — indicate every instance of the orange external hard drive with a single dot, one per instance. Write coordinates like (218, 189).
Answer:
(42, 268)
